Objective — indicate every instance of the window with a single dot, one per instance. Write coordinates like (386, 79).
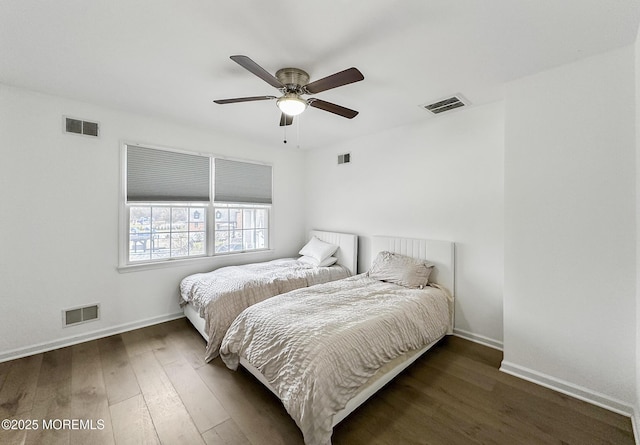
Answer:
(170, 212)
(162, 232)
(240, 228)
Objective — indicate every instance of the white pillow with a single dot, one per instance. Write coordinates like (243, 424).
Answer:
(400, 269)
(311, 260)
(318, 249)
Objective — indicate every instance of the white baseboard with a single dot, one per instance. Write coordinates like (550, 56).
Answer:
(481, 339)
(569, 389)
(87, 336)
(635, 423)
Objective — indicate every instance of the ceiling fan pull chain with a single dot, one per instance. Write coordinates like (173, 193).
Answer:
(285, 134)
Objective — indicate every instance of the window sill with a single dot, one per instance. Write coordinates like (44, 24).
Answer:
(250, 256)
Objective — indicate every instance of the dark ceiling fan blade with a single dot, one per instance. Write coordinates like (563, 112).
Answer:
(256, 69)
(333, 108)
(335, 80)
(285, 120)
(243, 99)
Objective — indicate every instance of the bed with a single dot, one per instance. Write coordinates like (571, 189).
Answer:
(212, 300)
(326, 349)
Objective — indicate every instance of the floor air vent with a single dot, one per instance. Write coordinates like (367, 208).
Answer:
(447, 104)
(78, 126)
(80, 315)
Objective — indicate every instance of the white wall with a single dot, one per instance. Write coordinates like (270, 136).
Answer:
(440, 179)
(636, 417)
(569, 293)
(59, 197)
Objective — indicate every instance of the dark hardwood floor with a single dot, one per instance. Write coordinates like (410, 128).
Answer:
(151, 386)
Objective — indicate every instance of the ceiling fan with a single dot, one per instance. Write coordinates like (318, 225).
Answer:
(293, 83)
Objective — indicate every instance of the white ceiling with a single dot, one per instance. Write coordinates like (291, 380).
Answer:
(170, 58)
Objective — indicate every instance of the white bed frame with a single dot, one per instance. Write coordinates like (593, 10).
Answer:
(347, 255)
(440, 253)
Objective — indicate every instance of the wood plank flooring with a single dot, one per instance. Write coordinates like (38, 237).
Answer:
(151, 386)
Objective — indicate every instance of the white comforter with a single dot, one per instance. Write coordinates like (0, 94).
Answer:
(222, 294)
(317, 346)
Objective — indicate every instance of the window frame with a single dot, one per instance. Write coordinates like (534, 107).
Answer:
(124, 246)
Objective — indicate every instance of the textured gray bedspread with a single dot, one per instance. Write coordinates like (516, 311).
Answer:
(317, 346)
(222, 294)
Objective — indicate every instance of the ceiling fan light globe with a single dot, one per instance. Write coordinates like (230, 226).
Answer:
(291, 105)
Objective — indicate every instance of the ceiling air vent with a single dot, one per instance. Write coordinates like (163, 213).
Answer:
(446, 104)
(344, 158)
(78, 126)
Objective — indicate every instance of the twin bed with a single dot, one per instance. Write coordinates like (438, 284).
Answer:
(212, 300)
(325, 349)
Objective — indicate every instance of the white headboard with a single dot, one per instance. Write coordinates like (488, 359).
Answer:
(348, 247)
(440, 253)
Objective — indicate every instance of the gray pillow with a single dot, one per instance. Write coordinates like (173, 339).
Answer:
(400, 269)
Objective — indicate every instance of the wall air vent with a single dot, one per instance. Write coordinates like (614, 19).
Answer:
(80, 315)
(78, 126)
(446, 104)
(344, 158)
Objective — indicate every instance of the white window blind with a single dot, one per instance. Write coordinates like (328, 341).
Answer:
(242, 182)
(160, 175)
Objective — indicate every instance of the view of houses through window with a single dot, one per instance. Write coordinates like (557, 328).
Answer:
(162, 232)
(158, 232)
(240, 228)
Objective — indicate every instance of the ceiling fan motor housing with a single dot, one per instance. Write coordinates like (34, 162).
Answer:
(293, 78)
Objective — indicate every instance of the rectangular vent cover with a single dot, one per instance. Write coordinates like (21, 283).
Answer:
(344, 158)
(78, 126)
(447, 104)
(80, 315)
